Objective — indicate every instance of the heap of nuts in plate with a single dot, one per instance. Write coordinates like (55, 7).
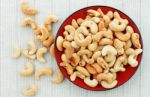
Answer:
(96, 48)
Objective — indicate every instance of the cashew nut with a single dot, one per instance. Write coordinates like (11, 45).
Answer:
(82, 70)
(93, 13)
(29, 21)
(74, 45)
(109, 48)
(128, 44)
(28, 70)
(32, 46)
(75, 59)
(31, 91)
(135, 40)
(51, 50)
(40, 54)
(80, 21)
(102, 62)
(74, 24)
(25, 52)
(75, 75)
(106, 41)
(82, 30)
(92, 46)
(48, 42)
(71, 32)
(118, 43)
(90, 69)
(101, 26)
(26, 10)
(92, 26)
(104, 77)
(117, 16)
(69, 50)
(68, 67)
(109, 85)
(90, 83)
(59, 43)
(42, 71)
(84, 52)
(64, 58)
(96, 19)
(16, 52)
(88, 60)
(97, 67)
(59, 77)
(96, 55)
(82, 62)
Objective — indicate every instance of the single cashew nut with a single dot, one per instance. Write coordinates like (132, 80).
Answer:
(90, 69)
(64, 58)
(32, 46)
(93, 46)
(74, 45)
(104, 77)
(84, 52)
(28, 70)
(117, 16)
(82, 30)
(59, 77)
(96, 19)
(16, 52)
(75, 59)
(127, 44)
(90, 83)
(108, 48)
(74, 24)
(82, 70)
(102, 62)
(75, 75)
(80, 21)
(105, 41)
(97, 67)
(101, 26)
(96, 55)
(68, 67)
(25, 52)
(51, 50)
(26, 10)
(48, 42)
(109, 85)
(135, 40)
(29, 21)
(59, 43)
(40, 54)
(92, 12)
(71, 30)
(42, 71)
(69, 50)
(88, 60)
(118, 43)
(31, 91)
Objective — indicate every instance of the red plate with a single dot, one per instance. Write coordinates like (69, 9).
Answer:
(122, 77)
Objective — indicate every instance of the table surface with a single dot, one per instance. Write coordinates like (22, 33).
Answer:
(12, 34)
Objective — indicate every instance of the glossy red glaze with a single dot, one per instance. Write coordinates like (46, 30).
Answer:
(122, 77)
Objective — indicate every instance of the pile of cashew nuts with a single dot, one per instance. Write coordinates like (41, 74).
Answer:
(94, 49)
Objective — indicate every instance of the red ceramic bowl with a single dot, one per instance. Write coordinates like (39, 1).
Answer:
(122, 77)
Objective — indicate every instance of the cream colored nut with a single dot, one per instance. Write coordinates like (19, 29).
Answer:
(69, 50)
(117, 16)
(118, 43)
(64, 58)
(59, 78)
(101, 12)
(74, 45)
(40, 54)
(102, 62)
(115, 26)
(107, 34)
(75, 59)
(26, 10)
(42, 34)
(28, 71)
(49, 21)
(88, 60)
(82, 63)
(51, 50)
(120, 51)
(97, 67)
(74, 24)
(108, 48)
(48, 42)
(82, 30)
(16, 52)
(59, 43)
(135, 40)
(106, 41)
(101, 26)
(91, 69)
(109, 85)
(97, 36)
(84, 52)
(82, 70)
(68, 67)
(75, 75)
(92, 26)
(92, 46)
(106, 20)
(90, 83)
(42, 71)
(83, 42)
(112, 62)
(104, 77)
(130, 51)
(71, 32)
(127, 44)
(99, 48)
(96, 55)
(96, 19)
(31, 91)
(92, 12)
(29, 21)
(110, 14)
(109, 57)
(32, 47)
(25, 52)
(80, 21)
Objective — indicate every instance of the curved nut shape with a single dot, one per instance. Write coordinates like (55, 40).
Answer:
(109, 85)
(118, 43)
(120, 51)
(110, 14)
(80, 21)
(97, 67)
(43, 71)
(106, 20)
(68, 67)
(64, 58)
(104, 77)
(90, 69)
(117, 16)
(115, 26)
(75, 75)
(96, 55)
(108, 48)
(26, 10)
(25, 52)
(71, 32)
(42, 34)
(97, 36)
(112, 62)
(105, 41)
(69, 50)
(90, 83)
(102, 62)
(84, 52)
(82, 63)
(101, 26)
(92, 12)
(29, 21)
(40, 54)
(83, 42)
(59, 43)
(88, 60)
(48, 42)
(128, 44)
(74, 24)
(28, 71)
(96, 19)
(32, 46)
(74, 45)
(51, 50)
(92, 46)
(92, 26)
(82, 70)
(59, 78)
(75, 59)
(48, 22)
(82, 30)
(16, 52)
(31, 91)
(135, 40)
